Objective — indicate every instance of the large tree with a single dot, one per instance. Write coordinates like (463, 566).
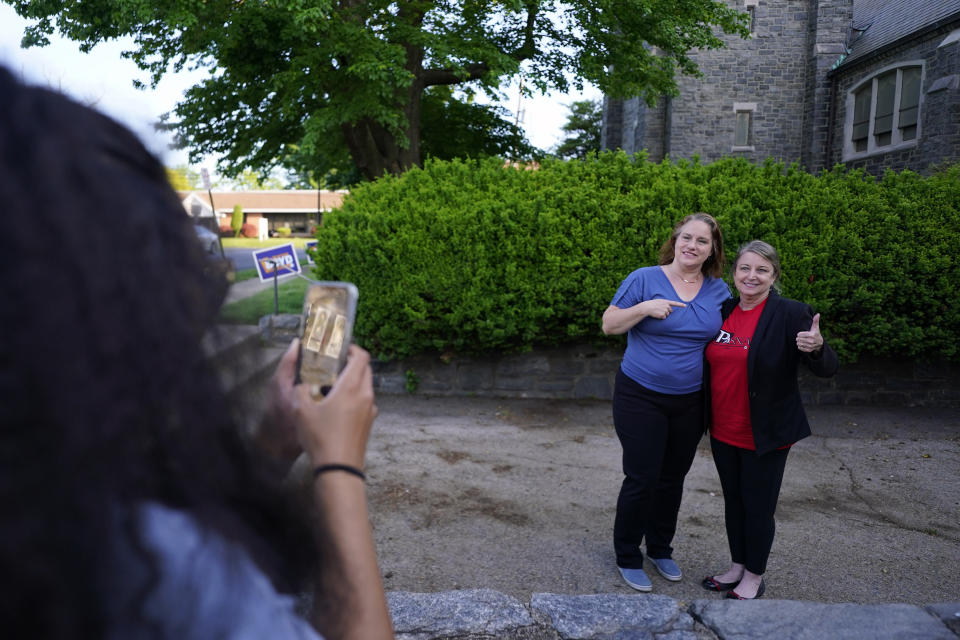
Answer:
(295, 81)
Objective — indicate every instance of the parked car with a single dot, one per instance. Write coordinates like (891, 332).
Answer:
(210, 242)
(208, 239)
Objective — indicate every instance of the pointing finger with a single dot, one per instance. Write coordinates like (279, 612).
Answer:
(674, 303)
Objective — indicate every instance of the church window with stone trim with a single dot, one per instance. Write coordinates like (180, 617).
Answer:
(742, 137)
(742, 133)
(751, 8)
(884, 110)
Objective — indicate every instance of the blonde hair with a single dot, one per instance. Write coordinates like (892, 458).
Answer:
(763, 249)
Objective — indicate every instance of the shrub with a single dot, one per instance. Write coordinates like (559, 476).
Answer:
(470, 256)
(236, 220)
(283, 232)
(249, 230)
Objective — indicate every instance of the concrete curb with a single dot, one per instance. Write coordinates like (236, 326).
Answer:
(483, 614)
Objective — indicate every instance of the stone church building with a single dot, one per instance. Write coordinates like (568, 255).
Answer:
(866, 83)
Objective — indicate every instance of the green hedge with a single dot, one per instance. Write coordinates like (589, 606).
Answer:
(472, 256)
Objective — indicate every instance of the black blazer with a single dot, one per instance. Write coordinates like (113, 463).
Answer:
(776, 412)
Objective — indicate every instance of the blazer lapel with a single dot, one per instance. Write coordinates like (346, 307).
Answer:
(763, 325)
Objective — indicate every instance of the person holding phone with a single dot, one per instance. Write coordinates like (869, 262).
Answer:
(755, 409)
(134, 504)
(669, 313)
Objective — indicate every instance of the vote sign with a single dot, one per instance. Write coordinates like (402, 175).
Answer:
(310, 245)
(276, 261)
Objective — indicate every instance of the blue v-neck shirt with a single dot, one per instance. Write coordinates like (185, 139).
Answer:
(667, 355)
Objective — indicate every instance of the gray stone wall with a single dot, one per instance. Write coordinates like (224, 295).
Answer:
(572, 372)
(624, 123)
(588, 372)
(780, 69)
(829, 23)
(484, 614)
(938, 138)
(585, 371)
(768, 70)
(785, 70)
(611, 125)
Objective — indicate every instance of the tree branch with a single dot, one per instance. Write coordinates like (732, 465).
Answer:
(529, 47)
(476, 71)
(433, 77)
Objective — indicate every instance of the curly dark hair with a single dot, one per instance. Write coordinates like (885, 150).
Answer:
(106, 397)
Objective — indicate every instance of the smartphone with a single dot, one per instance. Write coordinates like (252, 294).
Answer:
(329, 309)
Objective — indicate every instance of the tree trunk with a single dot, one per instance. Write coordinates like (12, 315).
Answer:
(375, 149)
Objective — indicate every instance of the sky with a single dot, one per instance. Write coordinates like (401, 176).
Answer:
(104, 80)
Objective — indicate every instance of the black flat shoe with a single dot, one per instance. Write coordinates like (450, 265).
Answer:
(733, 595)
(710, 584)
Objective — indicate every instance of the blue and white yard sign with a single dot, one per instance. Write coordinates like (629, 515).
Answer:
(283, 259)
(310, 245)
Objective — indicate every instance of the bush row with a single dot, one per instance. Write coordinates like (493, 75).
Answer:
(247, 230)
(472, 256)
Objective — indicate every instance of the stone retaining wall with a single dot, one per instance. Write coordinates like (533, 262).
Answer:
(588, 372)
(483, 614)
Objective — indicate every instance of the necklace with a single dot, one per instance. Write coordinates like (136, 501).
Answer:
(679, 275)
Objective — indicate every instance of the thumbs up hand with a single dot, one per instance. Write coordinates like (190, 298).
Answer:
(810, 341)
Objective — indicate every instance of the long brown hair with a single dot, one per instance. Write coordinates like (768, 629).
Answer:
(712, 266)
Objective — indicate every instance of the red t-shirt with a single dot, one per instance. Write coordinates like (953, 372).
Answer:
(729, 398)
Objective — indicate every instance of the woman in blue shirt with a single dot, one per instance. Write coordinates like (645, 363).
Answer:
(669, 312)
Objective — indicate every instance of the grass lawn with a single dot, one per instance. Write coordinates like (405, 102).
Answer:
(249, 310)
(253, 243)
(245, 274)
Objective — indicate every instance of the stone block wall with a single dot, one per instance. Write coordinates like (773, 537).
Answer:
(623, 124)
(770, 70)
(939, 131)
(572, 372)
(829, 25)
(589, 372)
(800, 105)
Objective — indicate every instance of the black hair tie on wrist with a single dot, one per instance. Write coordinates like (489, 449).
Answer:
(339, 467)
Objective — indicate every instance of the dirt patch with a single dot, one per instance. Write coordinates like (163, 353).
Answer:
(452, 457)
(519, 496)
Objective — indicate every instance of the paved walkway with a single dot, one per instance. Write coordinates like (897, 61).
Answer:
(247, 288)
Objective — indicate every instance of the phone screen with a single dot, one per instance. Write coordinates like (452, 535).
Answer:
(327, 325)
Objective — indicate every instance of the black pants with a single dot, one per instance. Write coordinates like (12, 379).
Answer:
(659, 434)
(751, 486)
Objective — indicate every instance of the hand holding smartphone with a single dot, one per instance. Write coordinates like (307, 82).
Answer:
(329, 309)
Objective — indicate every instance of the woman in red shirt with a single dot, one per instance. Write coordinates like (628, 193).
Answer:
(756, 412)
